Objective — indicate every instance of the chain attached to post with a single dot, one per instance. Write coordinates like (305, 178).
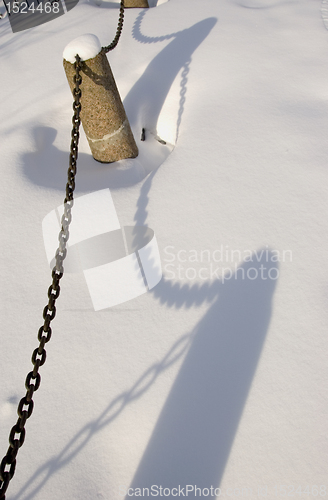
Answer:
(112, 45)
(33, 379)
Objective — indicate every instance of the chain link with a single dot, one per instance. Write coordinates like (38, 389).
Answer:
(33, 379)
(112, 45)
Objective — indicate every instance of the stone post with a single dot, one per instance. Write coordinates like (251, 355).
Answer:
(103, 116)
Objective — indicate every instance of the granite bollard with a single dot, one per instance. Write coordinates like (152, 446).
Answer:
(103, 116)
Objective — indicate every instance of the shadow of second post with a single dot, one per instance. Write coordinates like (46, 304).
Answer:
(192, 439)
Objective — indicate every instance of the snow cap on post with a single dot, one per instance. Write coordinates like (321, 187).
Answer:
(102, 115)
(87, 46)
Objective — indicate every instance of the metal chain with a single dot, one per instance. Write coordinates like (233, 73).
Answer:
(33, 379)
(118, 32)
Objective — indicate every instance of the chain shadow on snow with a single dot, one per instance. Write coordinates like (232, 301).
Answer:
(145, 100)
(47, 165)
(195, 430)
(115, 407)
(194, 433)
(193, 436)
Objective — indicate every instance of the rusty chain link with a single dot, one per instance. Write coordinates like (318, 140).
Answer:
(112, 45)
(33, 379)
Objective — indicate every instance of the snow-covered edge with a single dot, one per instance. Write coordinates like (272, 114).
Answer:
(86, 46)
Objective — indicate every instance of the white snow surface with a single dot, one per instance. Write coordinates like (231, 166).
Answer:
(86, 46)
(218, 376)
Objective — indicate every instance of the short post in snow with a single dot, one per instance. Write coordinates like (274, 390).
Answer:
(136, 3)
(103, 116)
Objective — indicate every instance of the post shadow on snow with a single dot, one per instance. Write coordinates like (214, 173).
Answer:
(192, 439)
(179, 51)
(47, 165)
(193, 436)
(145, 100)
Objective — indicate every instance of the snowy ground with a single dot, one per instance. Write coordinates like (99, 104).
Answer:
(212, 378)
